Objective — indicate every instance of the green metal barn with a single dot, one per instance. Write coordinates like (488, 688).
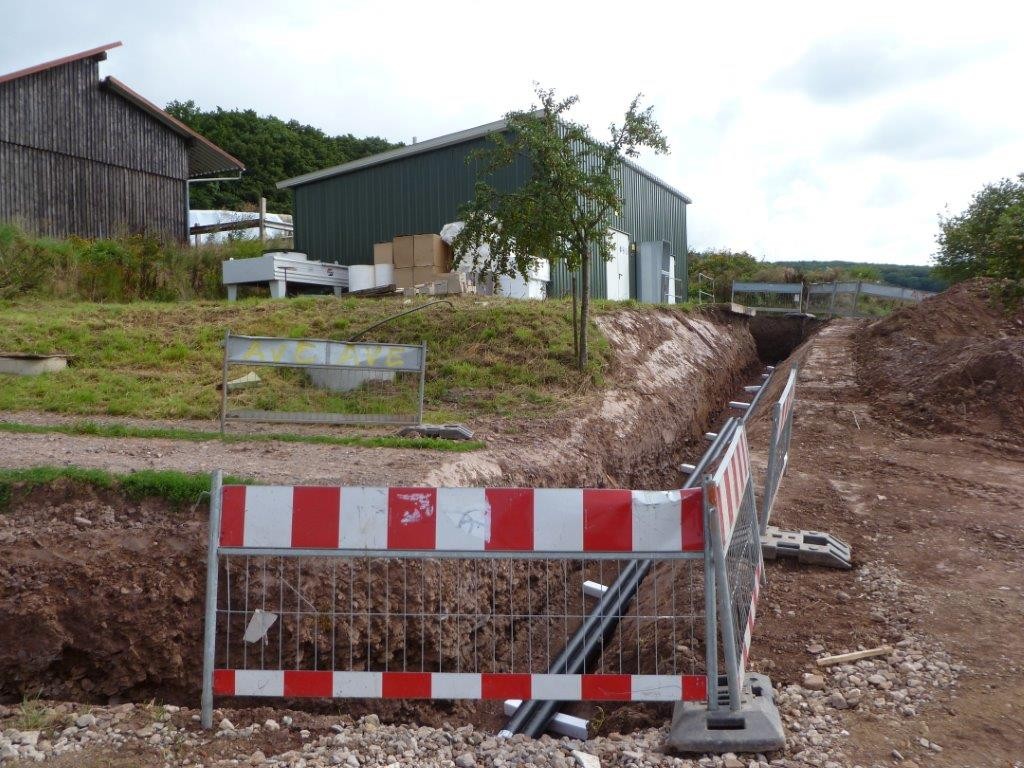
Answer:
(340, 212)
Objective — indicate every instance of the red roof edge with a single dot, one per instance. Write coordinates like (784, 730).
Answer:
(99, 53)
(166, 118)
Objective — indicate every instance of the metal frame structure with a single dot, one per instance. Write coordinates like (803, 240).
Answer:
(768, 291)
(362, 360)
(836, 291)
(778, 447)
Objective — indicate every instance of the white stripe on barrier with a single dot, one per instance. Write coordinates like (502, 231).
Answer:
(364, 521)
(268, 516)
(730, 480)
(464, 518)
(558, 518)
(657, 520)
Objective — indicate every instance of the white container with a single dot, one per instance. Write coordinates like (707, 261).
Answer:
(360, 277)
(383, 274)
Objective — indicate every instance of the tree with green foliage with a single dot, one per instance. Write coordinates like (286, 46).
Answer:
(987, 239)
(563, 212)
(271, 150)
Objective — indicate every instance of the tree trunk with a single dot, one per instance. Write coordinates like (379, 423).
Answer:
(584, 307)
(575, 325)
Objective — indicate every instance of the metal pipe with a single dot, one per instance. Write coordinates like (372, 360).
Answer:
(532, 717)
(400, 314)
(210, 625)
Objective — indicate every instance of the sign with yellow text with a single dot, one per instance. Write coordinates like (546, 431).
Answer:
(257, 350)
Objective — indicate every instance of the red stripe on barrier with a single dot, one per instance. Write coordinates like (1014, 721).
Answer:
(412, 518)
(606, 688)
(308, 684)
(607, 520)
(506, 686)
(232, 516)
(695, 688)
(315, 514)
(692, 509)
(511, 521)
(223, 682)
(405, 685)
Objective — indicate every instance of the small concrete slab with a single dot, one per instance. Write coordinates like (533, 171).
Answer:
(20, 364)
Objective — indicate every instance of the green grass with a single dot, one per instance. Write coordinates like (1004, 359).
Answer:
(162, 360)
(33, 715)
(178, 488)
(119, 430)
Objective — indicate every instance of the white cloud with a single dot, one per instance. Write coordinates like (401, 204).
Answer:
(798, 132)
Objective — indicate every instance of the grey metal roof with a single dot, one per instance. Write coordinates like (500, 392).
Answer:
(447, 140)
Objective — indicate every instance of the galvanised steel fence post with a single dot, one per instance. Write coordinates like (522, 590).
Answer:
(711, 618)
(210, 624)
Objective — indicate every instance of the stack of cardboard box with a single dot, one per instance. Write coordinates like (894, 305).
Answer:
(421, 260)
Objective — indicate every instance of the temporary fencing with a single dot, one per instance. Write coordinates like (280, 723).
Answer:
(778, 447)
(736, 554)
(318, 381)
(469, 592)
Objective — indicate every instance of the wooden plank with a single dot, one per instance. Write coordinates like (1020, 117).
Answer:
(842, 658)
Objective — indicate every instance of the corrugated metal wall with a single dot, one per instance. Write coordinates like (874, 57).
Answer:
(75, 159)
(341, 217)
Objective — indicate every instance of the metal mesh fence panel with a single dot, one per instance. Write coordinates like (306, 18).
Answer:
(480, 615)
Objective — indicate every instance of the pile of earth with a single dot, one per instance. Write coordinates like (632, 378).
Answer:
(953, 363)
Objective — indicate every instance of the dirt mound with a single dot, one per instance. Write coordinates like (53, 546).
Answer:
(954, 363)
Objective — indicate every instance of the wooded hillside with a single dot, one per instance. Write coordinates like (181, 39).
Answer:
(271, 149)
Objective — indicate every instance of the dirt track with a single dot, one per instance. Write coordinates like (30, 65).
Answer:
(945, 511)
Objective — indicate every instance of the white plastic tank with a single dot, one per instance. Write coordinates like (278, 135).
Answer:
(361, 277)
(383, 274)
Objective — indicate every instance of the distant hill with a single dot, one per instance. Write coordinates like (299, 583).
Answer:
(904, 275)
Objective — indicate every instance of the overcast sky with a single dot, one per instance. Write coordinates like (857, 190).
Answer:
(801, 131)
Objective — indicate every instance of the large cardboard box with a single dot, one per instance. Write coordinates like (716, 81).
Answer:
(431, 251)
(423, 275)
(383, 253)
(404, 277)
(403, 250)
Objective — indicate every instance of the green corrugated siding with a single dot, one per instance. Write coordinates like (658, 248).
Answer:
(340, 218)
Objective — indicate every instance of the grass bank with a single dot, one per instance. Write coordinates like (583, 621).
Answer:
(162, 360)
(175, 487)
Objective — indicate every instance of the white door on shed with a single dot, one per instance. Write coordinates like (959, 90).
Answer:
(618, 267)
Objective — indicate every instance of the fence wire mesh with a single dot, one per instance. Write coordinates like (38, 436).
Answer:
(449, 615)
(742, 563)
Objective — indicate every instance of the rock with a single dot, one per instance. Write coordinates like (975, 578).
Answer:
(370, 723)
(287, 720)
(28, 738)
(226, 725)
(813, 682)
(731, 761)
(877, 680)
(85, 721)
(7, 751)
(586, 760)
(352, 761)
(815, 648)
(837, 700)
(83, 521)
(272, 725)
(465, 760)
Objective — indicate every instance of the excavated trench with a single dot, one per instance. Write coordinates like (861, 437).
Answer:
(112, 611)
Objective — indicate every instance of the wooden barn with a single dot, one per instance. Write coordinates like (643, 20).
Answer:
(80, 155)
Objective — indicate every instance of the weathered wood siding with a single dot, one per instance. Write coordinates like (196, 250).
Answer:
(75, 159)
